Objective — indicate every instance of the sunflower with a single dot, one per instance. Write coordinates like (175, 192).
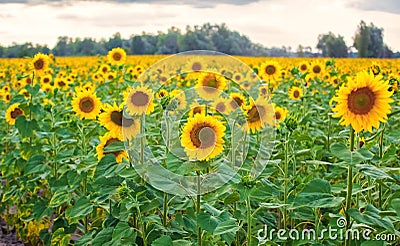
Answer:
(237, 77)
(270, 70)
(106, 140)
(27, 81)
(195, 64)
(303, 66)
(104, 68)
(363, 102)
(263, 91)
(237, 100)
(295, 93)
(280, 113)
(140, 101)
(25, 93)
(86, 104)
(202, 137)
(13, 112)
(61, 83)
(113, 119)
(196, 108)
(110, 75)
(210, 85)
(47, 87)
(178, 100)
(130, 127)
(317, 69)
(161, 93)
(46, 79)
(221, 105)
(259, 113)
(40, 63)
(7, 97)
(116, 56)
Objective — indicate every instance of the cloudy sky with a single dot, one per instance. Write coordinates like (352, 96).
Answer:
(269, 22)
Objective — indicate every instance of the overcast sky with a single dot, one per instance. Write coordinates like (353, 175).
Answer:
(269, 22)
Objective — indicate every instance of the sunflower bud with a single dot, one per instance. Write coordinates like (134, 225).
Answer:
(291, 122)
(248, 181)
(123, 191)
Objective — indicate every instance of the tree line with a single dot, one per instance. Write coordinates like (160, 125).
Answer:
(368, 41)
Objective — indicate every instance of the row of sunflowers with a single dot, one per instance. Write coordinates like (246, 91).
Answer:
(198, 149)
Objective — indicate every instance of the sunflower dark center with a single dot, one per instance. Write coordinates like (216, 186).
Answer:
(139, 99)
(16, 112)
(270, 69)
(303, 67)
(361, 101)
(116, 117)
(110, 76)
(238, 77)
(255, 114)
(196, 110)
(127, 122)
(296, 94)
(110, 141)
(196, 66)
(28, 80)
(210, 83)
(316, 69)
(163, 79)
(278, 115)
(238, 101)
(203, 136)
(61, 83)
(46, 80)
(39, 64)
(104, 69)
(220, 107)
(86, 104)
(117, 56)
(263, 90)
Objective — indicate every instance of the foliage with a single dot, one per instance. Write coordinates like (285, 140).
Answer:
(55, 191)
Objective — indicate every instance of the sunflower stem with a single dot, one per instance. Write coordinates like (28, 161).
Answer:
(84, 181)
(349, 186)
(142, 139)
(380, 157)
(233, 145)
(329, 134)
(248, 208)
(165, 209)
(30, 110)
(199, 232)
(286, 180)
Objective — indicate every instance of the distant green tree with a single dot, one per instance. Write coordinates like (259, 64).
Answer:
(137, 45)
(63, 47)
(368, 41)
(2, 51)
(168, 42)
(332, 46)
(362, 39)
(114, 42)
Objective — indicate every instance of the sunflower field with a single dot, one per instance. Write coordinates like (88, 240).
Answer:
(200, 149)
